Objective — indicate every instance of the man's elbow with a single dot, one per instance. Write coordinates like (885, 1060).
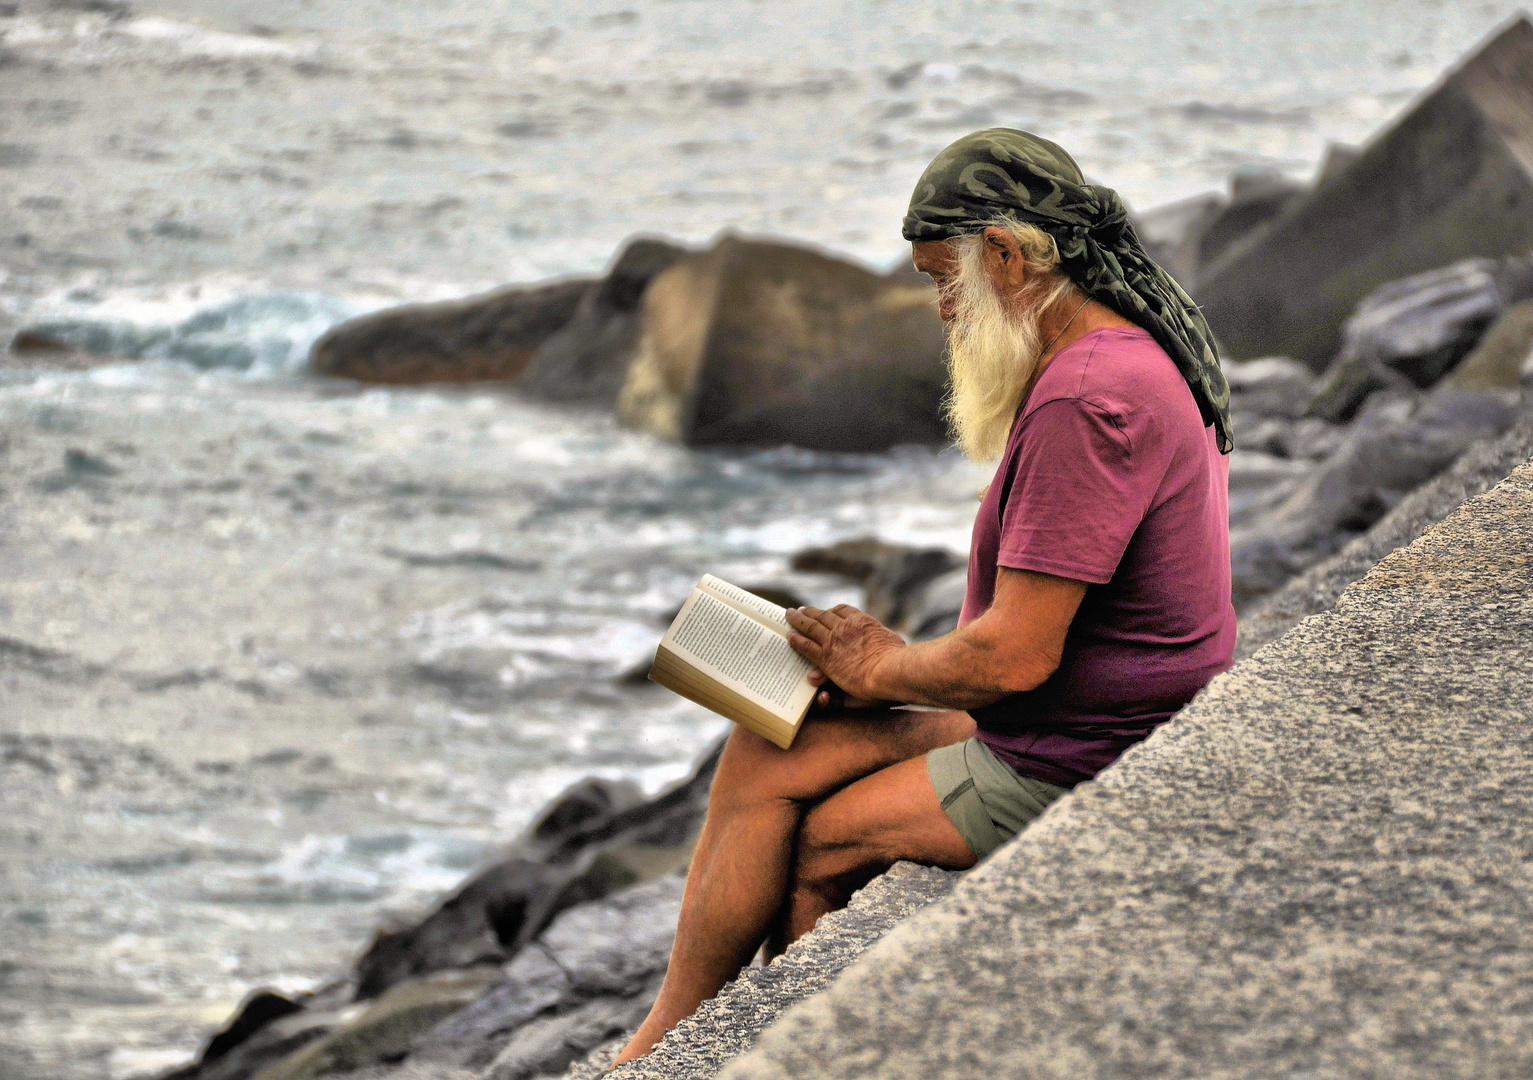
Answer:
(1027, 673)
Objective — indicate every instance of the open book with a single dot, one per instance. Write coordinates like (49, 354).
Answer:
(728, 651)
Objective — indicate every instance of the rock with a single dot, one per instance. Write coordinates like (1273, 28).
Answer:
(893, 575)
(1317, 589)
(490, 336)
(935, 609)
(1338, 158)
(1450, 180)
(274, 1042)
(1394, 447)
(762, 344)
(1171, 233)
(592, 841)
(1498, 360)
(386, 1028)
(1410, 332)
(1256, 198)
(591, 975)
(258, 1009)
(1305, 439)
(1274, 386)
(587, 359)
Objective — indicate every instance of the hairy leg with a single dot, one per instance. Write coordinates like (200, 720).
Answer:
(738, 882)
(858, 833)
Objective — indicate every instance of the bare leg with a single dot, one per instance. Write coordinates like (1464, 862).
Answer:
(857, 834)
(738, 881)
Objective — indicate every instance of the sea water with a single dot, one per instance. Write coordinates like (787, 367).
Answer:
(279, 659)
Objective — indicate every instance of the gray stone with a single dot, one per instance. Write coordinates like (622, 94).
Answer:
(765, 344)
(490, 336)
(1452, 179)
(1256, 198)
(934, 611)
(1317, 589)
(1498, 360)
(1170, 233)
(384, 1029)
(587, 359)
(1318, 869)
(1272, 386)
(894, 576)
(1410, 332)
(1393, 448)
(593, 840)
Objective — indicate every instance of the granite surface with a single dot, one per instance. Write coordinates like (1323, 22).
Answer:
(1322, 868)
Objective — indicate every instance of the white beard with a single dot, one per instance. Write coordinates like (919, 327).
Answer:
(992, 355)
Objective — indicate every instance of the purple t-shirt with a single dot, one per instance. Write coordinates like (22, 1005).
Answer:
(1109, 477)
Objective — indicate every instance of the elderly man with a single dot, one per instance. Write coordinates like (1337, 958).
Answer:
(1099, 577)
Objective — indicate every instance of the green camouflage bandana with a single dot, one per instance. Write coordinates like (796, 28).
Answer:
(990, 174)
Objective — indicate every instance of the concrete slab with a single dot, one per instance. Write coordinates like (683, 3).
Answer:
(1322, 868)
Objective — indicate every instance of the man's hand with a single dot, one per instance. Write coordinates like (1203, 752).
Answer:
(846, 646)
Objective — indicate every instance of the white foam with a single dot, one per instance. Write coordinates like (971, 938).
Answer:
(195, 41)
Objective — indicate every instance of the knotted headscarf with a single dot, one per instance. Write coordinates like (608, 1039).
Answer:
(991, 174)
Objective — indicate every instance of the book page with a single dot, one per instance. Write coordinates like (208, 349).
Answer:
(739, 651)
(772, 615)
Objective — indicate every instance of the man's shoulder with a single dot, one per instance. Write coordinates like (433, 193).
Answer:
(1122, 372)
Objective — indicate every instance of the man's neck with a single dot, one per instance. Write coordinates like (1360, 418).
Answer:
(1069, 320)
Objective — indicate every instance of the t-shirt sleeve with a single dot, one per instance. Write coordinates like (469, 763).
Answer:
(1078, 493)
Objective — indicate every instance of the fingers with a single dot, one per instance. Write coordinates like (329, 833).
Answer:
(808, 622)
(806, 647)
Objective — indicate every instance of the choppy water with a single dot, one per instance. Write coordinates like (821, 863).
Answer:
(277, 657)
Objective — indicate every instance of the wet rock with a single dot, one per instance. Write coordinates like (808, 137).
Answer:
(589, 976)
(490, 336)
(1317, 589)
(1274, 386)
(1171, 233)
(258, 1010)
(593, 841)
(1305, 439)
(387, 1027)
(1394, 447)
(1256, 198)
(1499, 360)
(1338, 158)
(1410, 332)
(892, 575)
(587, 359)
(764, 344)
(1448, 181)
(935, 608)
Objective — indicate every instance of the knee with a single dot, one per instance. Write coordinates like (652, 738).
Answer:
(751, 771)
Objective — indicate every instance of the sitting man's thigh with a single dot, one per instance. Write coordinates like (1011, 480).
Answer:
(833, 751)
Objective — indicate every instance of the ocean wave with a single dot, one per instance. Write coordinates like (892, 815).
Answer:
(259, 334)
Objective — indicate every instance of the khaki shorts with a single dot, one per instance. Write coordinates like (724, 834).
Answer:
(987, 801)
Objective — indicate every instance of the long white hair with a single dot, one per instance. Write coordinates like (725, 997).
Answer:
(994, 341)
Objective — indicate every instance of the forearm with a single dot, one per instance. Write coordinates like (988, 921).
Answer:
(963, 670)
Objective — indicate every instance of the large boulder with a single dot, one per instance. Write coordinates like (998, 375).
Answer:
(587, 359)
(758, 343)
(894, 577)
(1394, 446)
(1500, 360)
(1410, 332)
(1186, 236)
(1256, 198)
(488, 337)
(1453, 179)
